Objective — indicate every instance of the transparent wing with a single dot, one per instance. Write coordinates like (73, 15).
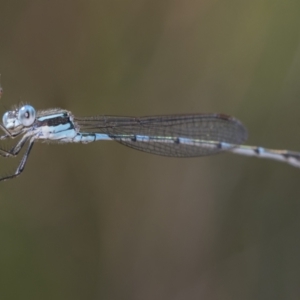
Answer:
(173, 135)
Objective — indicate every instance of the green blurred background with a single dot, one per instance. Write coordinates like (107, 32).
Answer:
(102, 221)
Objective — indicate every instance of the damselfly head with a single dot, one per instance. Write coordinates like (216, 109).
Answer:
(23, 116)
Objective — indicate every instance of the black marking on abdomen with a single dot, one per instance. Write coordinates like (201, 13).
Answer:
(257, 150)
(219, 146)
(288, 155)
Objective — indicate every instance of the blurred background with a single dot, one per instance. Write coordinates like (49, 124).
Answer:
(102, 221)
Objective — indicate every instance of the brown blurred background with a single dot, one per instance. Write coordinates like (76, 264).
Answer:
(102, 221)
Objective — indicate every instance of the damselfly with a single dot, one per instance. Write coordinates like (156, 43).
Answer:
(172, 135)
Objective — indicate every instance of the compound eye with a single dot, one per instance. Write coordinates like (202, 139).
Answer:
(26, 115)
(5, 119)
